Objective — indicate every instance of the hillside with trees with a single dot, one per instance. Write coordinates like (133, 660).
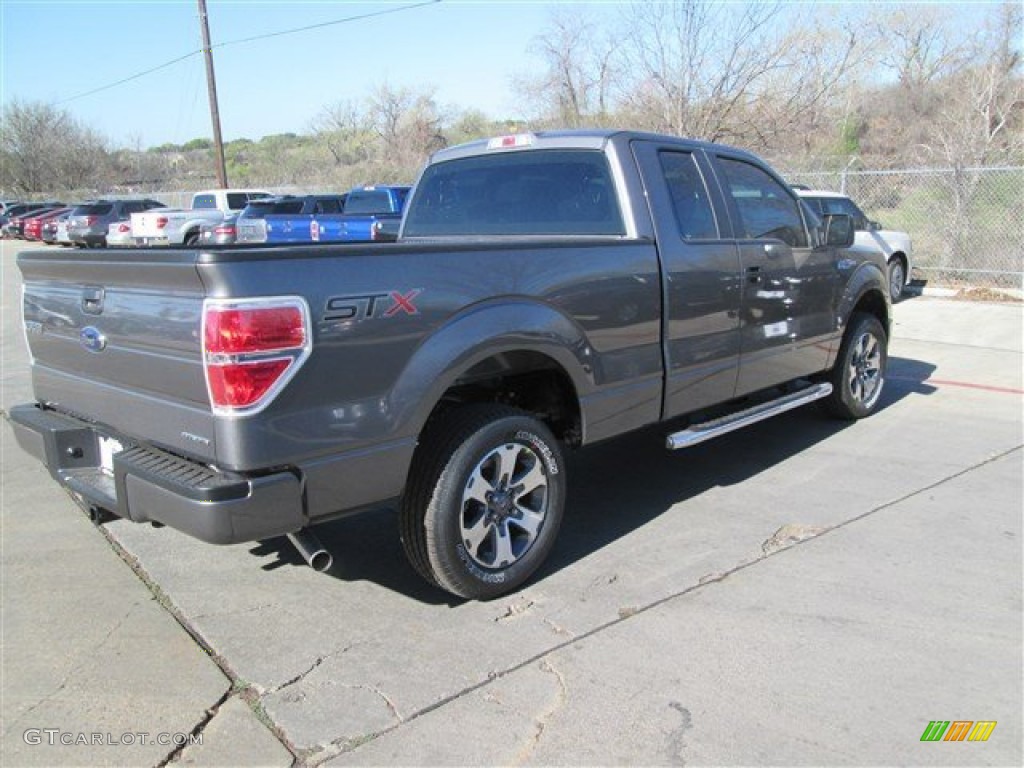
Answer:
(874, 86)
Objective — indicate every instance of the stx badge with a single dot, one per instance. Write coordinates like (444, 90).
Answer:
(369, 306)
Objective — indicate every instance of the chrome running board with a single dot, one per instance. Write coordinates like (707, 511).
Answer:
(700, 433)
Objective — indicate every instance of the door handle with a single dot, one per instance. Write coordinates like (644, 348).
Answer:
(92, 300)
(754, 274)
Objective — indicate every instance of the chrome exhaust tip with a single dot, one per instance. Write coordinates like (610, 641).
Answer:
(312, 550)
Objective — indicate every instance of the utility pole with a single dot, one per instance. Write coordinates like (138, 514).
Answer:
(211, 84)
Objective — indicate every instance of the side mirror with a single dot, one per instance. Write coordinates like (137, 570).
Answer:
(839, 231)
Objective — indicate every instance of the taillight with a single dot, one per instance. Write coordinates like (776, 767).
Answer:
(251, 350)
(161, 222)
(227, 230)
(90, 220)
(123, 228)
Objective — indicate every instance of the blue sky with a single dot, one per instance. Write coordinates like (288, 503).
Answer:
(469, 51)
(54, 51)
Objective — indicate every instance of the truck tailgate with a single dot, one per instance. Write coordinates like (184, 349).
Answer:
(114, 338)
(148, 224)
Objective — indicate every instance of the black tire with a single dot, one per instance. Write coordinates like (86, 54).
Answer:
(455, 539)
(191, 239)
(897, 278)
(859, 373)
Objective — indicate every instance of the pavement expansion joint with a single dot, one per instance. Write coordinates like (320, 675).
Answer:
(199, 728)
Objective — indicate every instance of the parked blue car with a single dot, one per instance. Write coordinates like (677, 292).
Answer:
(364, 214)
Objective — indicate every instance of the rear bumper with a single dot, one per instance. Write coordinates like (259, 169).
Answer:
(89, 239)
(148, 485)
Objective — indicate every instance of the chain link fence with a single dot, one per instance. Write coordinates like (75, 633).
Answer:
(966, 224)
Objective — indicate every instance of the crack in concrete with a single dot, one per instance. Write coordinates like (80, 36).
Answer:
(788, 535)
(297, 679)
(235, 684)
(387, 701)
(558, 629)
(197, 731)
(542, 721)
(243, 612)
(678, 734)
(263, 692)
(344, 745)
(87, 659)
(515, 609)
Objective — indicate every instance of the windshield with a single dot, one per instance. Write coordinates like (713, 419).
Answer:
(539, 192)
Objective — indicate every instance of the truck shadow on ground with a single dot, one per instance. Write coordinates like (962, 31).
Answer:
(615, 488)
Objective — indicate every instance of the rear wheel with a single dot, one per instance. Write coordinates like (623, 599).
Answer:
(192, 239)
(859, 372)
(484, 502)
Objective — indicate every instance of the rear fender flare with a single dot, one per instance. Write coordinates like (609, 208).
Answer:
(481, 332)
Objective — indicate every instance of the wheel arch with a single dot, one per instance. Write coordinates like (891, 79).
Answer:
(904, 259)
(867, 291)
(540, 367)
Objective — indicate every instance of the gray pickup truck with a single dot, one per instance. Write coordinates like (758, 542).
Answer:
(548, 290)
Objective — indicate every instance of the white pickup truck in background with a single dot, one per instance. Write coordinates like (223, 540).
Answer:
(177, 226)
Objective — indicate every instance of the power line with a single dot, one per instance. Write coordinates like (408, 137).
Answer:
(150, 71)
(243, 40)
(322, 24)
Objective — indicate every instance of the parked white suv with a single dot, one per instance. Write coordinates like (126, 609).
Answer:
(895, 245)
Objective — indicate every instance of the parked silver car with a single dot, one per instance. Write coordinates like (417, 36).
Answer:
(89, 222)
(896, 246)
(220, 232)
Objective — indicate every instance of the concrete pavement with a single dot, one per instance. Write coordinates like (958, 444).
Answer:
(801, 592)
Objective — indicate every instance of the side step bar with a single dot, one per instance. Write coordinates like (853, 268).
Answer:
(700, 433)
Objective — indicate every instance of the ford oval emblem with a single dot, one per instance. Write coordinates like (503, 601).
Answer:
(92, 339)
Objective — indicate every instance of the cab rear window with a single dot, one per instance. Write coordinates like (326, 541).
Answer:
(535, 192)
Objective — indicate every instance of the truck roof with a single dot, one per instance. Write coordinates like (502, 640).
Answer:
(232, 191)
(586, 138)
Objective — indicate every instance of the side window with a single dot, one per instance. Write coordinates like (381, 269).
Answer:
(328, 205)
(694, 214)
(816, 204)
(766, 209)
(237, 201)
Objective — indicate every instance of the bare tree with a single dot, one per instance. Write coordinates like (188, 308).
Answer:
(346, 131)
(981, 121)
(46, 150)
(797, 106)
(409, 127)
(696, 63)
(576, 86)
(919, 46)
